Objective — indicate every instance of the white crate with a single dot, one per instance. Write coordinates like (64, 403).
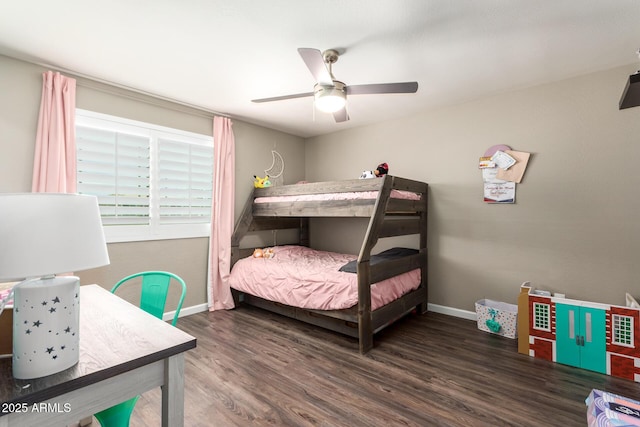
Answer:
(497, 317)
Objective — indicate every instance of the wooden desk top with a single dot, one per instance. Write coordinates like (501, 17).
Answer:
(115, 337)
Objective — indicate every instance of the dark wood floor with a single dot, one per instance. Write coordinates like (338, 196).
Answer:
(253, 368)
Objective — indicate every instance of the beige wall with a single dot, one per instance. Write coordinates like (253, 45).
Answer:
(20, 89)
(573, 230)
(575, 226)
(21, 86)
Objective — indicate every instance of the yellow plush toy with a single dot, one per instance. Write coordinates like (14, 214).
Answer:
(261, 182)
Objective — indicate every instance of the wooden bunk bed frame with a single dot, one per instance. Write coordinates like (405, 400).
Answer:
(388, 217)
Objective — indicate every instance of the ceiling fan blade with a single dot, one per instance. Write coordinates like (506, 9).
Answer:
(315, 63)
(405, 87)
(341, 115)
(281, 98)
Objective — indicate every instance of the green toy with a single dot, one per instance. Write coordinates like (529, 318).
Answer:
(492, 323)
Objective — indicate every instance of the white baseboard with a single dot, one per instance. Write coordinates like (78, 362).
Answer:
(186, 311)
(442, 309)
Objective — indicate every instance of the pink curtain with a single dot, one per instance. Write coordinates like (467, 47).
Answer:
(221, 215)
(54, 162)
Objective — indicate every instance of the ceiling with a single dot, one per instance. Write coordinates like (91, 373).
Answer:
(219, 55)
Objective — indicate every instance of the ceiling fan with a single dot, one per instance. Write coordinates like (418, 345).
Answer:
(330, 95)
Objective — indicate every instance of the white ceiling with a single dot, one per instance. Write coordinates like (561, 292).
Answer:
(219, 55)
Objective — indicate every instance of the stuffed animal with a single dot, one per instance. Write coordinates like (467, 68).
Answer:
(263, 253)
(379, 172)
(261, 182)
(268, 253)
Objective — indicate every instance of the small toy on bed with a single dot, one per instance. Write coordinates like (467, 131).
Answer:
(379, 172)
(263, 253)
(261, 182)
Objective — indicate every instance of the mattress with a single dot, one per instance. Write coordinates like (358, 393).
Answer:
(350, 195)
(307, 278)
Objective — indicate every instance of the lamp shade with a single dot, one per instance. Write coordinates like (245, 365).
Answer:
(41, 235)
(47, 233)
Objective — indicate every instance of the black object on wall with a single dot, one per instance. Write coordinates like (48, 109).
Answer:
(631, 95)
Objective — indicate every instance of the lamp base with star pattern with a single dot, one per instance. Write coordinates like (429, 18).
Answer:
(46, 330)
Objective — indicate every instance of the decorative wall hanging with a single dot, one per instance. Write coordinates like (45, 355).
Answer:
(276, 170)
(502, 168)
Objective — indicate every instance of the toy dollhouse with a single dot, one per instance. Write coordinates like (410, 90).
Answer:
(599, 337)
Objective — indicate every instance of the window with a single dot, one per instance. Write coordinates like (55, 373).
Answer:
(622, 330)
(541, 317)
(151, 182)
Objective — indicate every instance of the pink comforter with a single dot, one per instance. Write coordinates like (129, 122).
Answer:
(307, 278)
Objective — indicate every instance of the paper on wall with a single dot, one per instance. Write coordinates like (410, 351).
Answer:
(485, 162)
(515, 172)
(500, 193)
(489, 175)
(503, 159)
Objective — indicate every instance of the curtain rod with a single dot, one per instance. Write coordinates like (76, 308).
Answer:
(90, 79)
(145, 97)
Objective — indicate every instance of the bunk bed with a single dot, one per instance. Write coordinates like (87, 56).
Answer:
(395, 206)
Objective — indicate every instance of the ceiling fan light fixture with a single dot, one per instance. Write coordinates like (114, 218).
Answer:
(329, 94)
(330, 99)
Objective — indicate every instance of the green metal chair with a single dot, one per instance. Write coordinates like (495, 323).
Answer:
(153, 297)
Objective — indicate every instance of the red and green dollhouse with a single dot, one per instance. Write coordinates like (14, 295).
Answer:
(599, 337)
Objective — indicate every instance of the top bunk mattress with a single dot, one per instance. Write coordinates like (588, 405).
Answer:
(351, 195)
(303, 277)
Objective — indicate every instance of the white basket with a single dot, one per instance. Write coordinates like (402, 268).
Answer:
(497, 317)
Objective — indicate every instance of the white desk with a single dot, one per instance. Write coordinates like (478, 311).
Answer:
(124, 352)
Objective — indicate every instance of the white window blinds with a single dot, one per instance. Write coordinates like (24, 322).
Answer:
(115, 167)
(151, 182)
(185, 183)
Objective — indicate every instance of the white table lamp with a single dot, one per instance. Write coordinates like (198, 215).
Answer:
(41, 235)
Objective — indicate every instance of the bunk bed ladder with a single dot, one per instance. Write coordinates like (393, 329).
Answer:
(365, 327)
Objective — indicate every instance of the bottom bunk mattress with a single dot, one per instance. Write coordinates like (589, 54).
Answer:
(307, 278)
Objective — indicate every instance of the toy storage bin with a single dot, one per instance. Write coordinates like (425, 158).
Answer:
(608, 410)
(497, 317)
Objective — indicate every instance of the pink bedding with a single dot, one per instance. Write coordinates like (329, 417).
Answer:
(307, 278)
(355, 195)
